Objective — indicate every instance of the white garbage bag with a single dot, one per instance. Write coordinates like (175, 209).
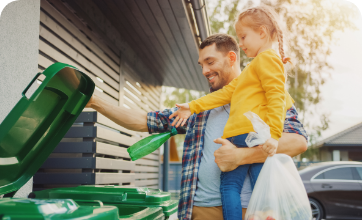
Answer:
(260, 127)
(279, 193)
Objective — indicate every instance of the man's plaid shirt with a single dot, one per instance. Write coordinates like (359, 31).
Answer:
(195, 129)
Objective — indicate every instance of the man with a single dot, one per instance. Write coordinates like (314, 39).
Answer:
(203, 160)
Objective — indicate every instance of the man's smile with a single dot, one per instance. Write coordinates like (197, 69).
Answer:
(211, 77)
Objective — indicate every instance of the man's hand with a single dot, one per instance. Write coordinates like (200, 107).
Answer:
(226, 156)
(270, 146)
(182, 114)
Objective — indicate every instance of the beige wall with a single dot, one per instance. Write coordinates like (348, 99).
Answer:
(19, 43)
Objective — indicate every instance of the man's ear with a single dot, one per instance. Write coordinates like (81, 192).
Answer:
(232, 57)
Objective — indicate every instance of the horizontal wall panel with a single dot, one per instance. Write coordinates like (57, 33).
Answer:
(147, 162)
(133, 106)
(76, 147)
(75, 43)
(107, 178)
(105, 97)
(112, 80)
(152, 156)
(58, 57)
(146, 175)
(142, 98)
(77, 28)
(146, 182)
(64, 178)
(70, 163)
(112, 164)
(88, 163)
(146, 169)
(116, 137)
(92, 132)
(89, 115)
(111, 150)
(137, 101)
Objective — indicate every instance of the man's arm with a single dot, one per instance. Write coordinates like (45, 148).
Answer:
(228, 157)
(131, 119)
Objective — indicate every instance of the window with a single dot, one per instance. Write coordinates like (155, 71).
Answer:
(359, 171)
(344, 173)
(320, 176)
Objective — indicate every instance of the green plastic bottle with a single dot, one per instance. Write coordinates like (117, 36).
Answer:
(149, 144)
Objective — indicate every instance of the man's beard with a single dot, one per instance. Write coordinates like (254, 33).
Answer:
(226, 70)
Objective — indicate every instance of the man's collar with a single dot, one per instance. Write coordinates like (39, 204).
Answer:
(212, 90)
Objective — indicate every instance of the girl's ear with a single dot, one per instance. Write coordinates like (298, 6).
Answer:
(232, 57)
(263, 32)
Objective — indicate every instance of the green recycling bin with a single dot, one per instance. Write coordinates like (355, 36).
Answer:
(29, 134)
(115, 195)
(53, 209)
(128, 211)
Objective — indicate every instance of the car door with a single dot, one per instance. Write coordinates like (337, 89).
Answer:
(359, 173)
(340, 189)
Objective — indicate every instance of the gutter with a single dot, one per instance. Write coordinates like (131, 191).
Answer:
(201, 18)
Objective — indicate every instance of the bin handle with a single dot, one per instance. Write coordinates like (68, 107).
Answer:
(100, 203)
(31, 83)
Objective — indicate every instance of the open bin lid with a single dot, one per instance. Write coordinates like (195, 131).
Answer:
(36, 125)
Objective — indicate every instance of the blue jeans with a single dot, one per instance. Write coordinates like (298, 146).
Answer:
(232, 183)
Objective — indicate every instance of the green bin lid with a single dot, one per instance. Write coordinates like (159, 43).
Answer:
(134, 196)
(35, 126)
(53, 209)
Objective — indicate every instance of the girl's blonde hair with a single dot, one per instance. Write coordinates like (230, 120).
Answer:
(263, 15)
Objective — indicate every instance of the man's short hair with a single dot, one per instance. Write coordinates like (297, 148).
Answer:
(224, 43)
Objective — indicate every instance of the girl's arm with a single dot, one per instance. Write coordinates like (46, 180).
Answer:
(216, 99)
(213, 100)
(270, 70)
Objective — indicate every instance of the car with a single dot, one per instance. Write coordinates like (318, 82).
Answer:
(334, 189)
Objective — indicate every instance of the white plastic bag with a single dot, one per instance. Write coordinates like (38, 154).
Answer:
(279, 193)
(260, 127)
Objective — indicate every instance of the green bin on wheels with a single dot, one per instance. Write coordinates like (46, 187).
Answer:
(116, 196)
(29, 134)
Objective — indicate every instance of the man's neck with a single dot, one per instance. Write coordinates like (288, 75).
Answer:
(235, 72)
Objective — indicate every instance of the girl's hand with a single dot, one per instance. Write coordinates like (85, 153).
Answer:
(270, 146)
(182, 114)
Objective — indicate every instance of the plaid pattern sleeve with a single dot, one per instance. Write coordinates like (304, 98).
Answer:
(158, 121)
(191, 158)
(292, 124)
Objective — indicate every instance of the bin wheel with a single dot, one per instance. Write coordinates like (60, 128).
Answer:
(317, 209)
(31, 195)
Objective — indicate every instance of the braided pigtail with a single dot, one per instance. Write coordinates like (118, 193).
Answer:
(279, 33)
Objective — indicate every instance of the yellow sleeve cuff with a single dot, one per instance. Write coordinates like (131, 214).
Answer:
(275, 136)
(192, 107)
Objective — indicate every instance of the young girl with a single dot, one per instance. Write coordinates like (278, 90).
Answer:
(260, 88)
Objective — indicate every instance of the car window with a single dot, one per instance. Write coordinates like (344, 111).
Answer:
(344, 173)
(320, 176)
(359, 170)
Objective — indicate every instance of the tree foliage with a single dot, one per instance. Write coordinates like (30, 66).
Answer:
(310, 27)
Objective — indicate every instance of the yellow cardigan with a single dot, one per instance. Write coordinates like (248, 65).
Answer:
(259, 88)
